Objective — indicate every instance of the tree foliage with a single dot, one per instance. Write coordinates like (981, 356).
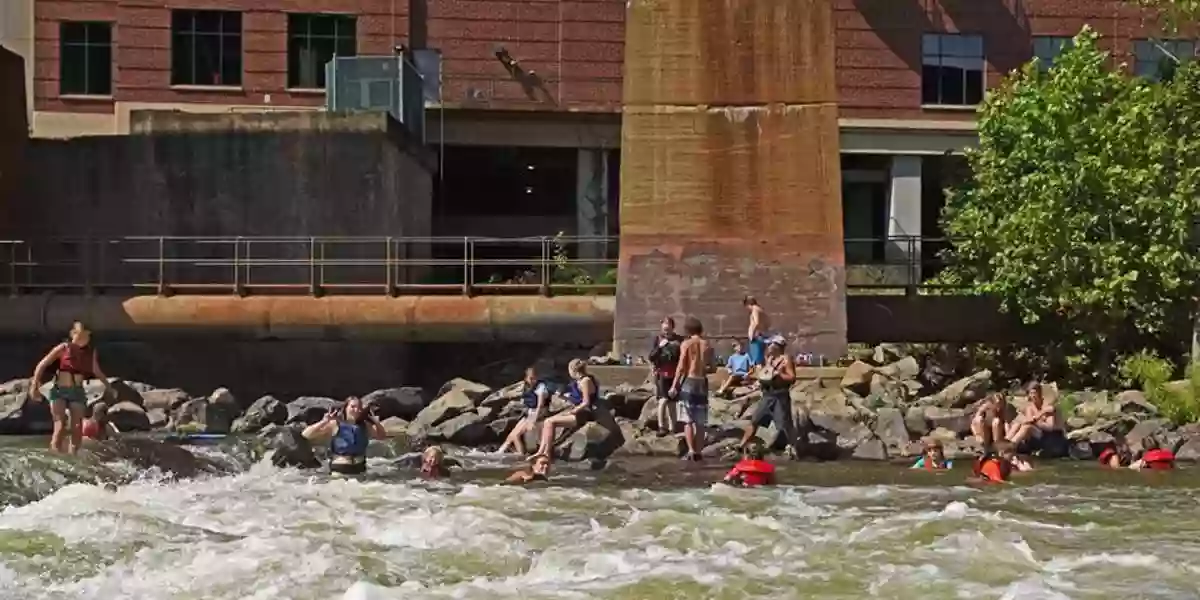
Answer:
(1082, 200)
(1175, 14)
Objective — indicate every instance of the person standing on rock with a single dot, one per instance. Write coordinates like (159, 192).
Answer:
(691, 385)
(535, 394)
(776, 378)
(664, 355)
(348, 430)
(583, 394)
(756, 334)
(77, 360)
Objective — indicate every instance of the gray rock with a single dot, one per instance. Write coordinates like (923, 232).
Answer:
(905, 369)
(221, 411)
(145, 454)
(889, 426)
(872, 449)
(466, 429)
(840, 424)
(449, 405)
(957, 420)
(21, 416)
(592, 441)
(1146, 434)
(629, 404)
(128, 416)
(477, 392)
(166, 400)
(403, 402)
(915, 422)
(122, 391)
(504, 395)
(1190, 450)
(1133, 402)
(289, 448)
(395, 426)
(157, 417)
(14, 386)
(307, 410)
(943, 435)
(858, 378)
(222, 396)
(503, 426)
(886, 353)
(190, 413)
(1092, 406)
(265, 411)
(888, 391)
(965, 390)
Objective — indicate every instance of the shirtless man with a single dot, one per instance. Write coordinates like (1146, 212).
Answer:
(756, 334)
(691, 385)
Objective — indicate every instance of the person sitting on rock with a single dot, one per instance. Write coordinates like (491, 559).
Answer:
(98, 427)
(583, 394)
(664, 355)
(349, 430)
(76, 360)
(933, 458)
(539, 470)
(535, 394)
(776, 379)
(753, 470)
(739, 369)
(1039, 429)
(989, 421)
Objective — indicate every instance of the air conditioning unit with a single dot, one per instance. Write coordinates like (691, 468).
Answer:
(377, 83)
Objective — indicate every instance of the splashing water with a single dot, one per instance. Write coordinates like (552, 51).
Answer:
(639, 530)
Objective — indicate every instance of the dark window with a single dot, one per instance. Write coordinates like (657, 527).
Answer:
(85, 64)
(1047, 48)
(206, 47)
(952, 69)
(313, 40)
(1157, 60)
(507, 181)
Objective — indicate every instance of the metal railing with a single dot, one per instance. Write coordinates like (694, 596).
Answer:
(394, 266)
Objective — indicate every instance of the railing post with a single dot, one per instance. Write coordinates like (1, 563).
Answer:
(545, 269)
(162, 266)
(313, 286)
(468, 264)
(911, 277)
(388, 265)
(238, 289)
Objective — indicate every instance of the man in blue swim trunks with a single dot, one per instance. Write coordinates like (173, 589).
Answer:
(756, 334)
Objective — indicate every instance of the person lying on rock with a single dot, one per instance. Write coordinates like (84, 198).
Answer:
(583, 394)
(1039, 429)
(98, 427)
(535, 394)
(933, 457)
(753, 470)
(739, 369)
(348, 429)
(76, 360)
(539, 470)
(990, 418)
(776, 378)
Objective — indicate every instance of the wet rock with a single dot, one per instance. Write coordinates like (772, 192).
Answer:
(121, 392)
(1133, 402)
(128, 416)
(888, 391)
(1189, 450)
(629, 404)
(503, 426)
(1092, 406)
(395, 426)
(883, 354)
(514, 409)
(307, 410)
(1146, 434)
(964, 391)
(289, 448)
(942, 435)
(14, 386)
(857, 378)
(221, 411)
(914, 421)
(504, 395)
(889, 427)
(872, 449)
(592, 441)
(20, 415)
(265, 411)
(167, 400)
(476, 392)
(448, 406)
(158, 418)
(905, 369)
(840, 424)
(145, 454)
(957, 420)
(402, 402)
(466, 429)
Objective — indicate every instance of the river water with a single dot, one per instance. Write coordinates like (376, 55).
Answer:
(639, 529)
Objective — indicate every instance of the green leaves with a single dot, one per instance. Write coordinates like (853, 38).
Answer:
(1084, 191)
(1174, 13)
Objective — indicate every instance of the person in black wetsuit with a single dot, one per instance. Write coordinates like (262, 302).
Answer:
(776, 378)
(664, 355)
(348, 430)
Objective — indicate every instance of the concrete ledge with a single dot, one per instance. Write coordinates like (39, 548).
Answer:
(407, 318)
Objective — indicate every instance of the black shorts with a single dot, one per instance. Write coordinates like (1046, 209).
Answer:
(1049, 444)
(662, 385)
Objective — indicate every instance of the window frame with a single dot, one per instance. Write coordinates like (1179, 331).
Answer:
(193, 34)
(941, 58)
(337, 38)
(1172, 45)
(87, 47)
(1063, 42)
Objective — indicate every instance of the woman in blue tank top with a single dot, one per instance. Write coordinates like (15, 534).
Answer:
(586, 405)
(348, 430)
(535, 394)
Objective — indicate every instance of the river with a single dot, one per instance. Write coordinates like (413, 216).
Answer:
(639, 529)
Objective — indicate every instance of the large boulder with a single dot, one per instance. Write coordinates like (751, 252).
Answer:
(166, 400)
(289, 449)
(264, 411)
(957, 420)
(307, 410)
(905, 369)
(402, 402)
(648, 443)
(395, 426)
(221, 411)
(1093, 406)
(504, 395)
(145, 454)
(1133, 402)
(466, 429)
(889, 427)
(1189, 450)
(127, 416)
(123, 391)
(592, 441)
(19, 415)
(477, 392)
(629, 404)
(915, 421)
(449, 405)
(503, 426)
(857, 378)
(871, 449)
(1147, 434)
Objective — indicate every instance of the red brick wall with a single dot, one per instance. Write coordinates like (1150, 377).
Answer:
(574, 46)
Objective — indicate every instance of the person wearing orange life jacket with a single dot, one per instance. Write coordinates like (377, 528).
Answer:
(933, 458)
(752, 470)
(1155, 459)
(998, 464)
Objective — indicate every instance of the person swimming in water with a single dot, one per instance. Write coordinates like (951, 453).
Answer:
(97, 426)
(933, 457)
(539, 470)
(753, 470)
(997, 464)
(535, 394)
(76, 360)
(348, 430)
(434, 464)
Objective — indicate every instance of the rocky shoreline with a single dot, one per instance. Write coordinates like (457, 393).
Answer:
(881, 408)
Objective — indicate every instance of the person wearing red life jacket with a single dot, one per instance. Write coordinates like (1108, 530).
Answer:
(752, 470)
(933, 458)
(1155, 459)
(997, 464)
(73, 362)
(1117, 456)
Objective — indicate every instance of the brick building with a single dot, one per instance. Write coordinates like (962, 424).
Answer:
(909, 73)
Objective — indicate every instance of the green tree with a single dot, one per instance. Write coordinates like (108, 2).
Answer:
(1082, 200)
(1175, 14)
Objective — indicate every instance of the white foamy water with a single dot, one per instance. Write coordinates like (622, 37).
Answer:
(270, 533)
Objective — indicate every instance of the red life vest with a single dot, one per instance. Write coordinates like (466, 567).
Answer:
(753, 473)
(77, 359)
(1159, 459)
(992, 469)
(91, 429)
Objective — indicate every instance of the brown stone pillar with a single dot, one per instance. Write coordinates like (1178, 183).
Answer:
(730, 178)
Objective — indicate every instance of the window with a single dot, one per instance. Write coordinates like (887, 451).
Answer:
(1156, 60)
(85, 63)
(1047, 48)
(206, 47)
(952, 69)
(313, 40)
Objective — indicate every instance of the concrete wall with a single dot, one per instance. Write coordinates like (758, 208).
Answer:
(14, 131)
